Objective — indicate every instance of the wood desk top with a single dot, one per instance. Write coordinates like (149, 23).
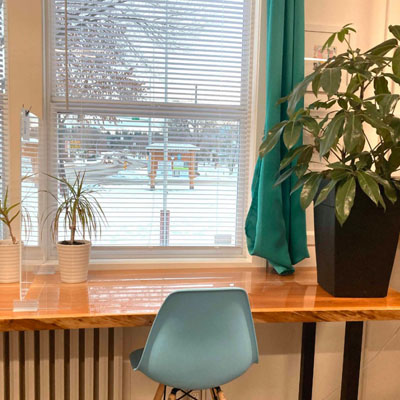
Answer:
(133, 298)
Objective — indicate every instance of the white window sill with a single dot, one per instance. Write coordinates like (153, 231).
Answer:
(238, 262)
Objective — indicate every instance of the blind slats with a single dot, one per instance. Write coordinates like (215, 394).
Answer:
(3, 105)
(157, 117)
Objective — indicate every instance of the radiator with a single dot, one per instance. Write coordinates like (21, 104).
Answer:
(85, 364)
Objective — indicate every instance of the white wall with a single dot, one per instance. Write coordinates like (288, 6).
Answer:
(276, 376)
(381, 361)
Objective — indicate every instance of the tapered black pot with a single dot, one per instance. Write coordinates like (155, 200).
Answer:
(356, 260)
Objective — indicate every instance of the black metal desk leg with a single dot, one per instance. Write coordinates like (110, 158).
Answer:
(307, 361)
(351, 360)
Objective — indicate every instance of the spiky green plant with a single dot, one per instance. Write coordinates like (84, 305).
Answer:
(78, 209)
(6, 216)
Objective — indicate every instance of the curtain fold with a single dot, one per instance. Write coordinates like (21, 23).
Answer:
(275, 224)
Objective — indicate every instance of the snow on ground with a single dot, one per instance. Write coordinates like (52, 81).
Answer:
(203, 216)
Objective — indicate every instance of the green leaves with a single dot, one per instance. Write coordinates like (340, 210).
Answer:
(381, 85)
(332, 133)
(396, 62)
(323, 194)
(292, 154)
(330, 80)
(387, 103)
(298, 93)
(394, 159)
(291, 134)
(340, 134)
(6, 216)
(316, 84)
(272, 138)
(389, 189)
(310, 124)
(309, 190)
(354, 138)
(370, 188)
(395, 31)
(78, 208)
(344, 200)
(329, 42)
(383, 48)
(341, 35)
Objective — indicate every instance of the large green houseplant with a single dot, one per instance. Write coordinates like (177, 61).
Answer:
(357, 144)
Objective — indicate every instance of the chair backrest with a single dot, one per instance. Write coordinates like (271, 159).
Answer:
(201, 338)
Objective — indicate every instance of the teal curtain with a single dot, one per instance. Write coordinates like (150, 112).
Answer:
(275, 225)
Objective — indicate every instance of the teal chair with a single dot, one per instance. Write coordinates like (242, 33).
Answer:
(200, 339)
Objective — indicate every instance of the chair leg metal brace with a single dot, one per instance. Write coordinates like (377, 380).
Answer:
(307, 360)
(351, 360)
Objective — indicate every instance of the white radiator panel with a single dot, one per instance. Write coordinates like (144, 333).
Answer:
(62, 365)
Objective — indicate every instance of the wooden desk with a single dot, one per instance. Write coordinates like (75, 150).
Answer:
(133, 298)
(176, 152)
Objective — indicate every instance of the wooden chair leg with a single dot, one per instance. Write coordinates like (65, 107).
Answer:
(159, 392)
(172, 395)
(220, 394)
(213, 394)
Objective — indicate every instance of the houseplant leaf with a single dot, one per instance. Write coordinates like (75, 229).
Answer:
(286, 174)
(383, 48)
(330, 80)
(272, 138)
(381, 85)
(332, 133)
(353, 137)
(298, 92)
(316, 84)
(309, 190)
(394, 159)
(291, 155)
(395, 31)
(389, 189)
(302, 181)
(324, 193)
(370, 188)
(344, 200)
(396, 62)
(291, 134)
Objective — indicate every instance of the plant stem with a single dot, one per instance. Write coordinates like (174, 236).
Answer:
(13, 238)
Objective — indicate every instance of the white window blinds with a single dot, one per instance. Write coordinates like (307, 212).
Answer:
(3, 97)
(152, 99)
(3, 107)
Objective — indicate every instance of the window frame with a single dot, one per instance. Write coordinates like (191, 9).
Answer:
(124, 255)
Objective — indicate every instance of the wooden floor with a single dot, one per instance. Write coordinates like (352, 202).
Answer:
(133, 297)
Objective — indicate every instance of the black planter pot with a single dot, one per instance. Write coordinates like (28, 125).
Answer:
(356, 260)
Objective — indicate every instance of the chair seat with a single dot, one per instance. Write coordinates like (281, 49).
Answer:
(135, 357)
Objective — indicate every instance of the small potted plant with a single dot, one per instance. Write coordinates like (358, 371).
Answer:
(10, 249)
(357, 143)
(79, 212)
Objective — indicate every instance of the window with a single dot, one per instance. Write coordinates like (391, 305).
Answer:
(3, 96)
(151, 99)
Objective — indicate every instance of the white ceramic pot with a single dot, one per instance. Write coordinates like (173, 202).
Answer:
(9, 261)
(73, 261)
